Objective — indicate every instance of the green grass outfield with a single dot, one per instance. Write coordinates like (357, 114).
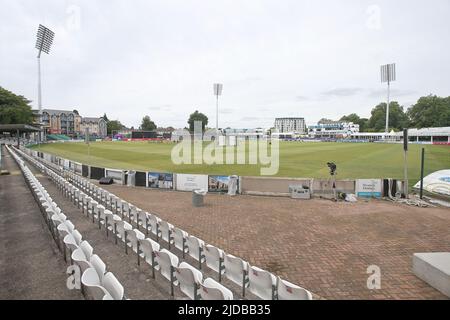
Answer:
(297, 159)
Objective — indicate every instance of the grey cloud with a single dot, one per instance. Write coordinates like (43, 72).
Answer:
(342, 92)
(249, 118)
(375, 93)
(162, 107)
(226, 110)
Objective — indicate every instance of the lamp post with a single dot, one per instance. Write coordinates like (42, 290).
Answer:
(43, 44)
(217, 92)
(388, 75)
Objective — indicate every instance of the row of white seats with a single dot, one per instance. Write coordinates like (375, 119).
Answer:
(188, 278)
(101, 284)
(261, 283)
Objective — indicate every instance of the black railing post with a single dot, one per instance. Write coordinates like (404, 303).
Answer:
(422, 164)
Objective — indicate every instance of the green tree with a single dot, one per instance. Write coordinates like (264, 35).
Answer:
(325, 121)
(147, 124)
(397, 117)
(113, 125)
(14, 109)
(197, 116)
(353, 117)
(430, 111)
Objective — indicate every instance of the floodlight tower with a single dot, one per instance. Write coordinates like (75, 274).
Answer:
(388, 75)
(217, 92)
(43, 43)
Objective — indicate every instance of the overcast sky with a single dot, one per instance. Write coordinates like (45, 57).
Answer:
(310, 59)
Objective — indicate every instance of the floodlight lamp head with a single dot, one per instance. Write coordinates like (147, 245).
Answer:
(218, 89)
(44, 39)
(388, 73)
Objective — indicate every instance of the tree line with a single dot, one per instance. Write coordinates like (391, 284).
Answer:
(429, 111)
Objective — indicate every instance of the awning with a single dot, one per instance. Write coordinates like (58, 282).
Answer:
(18, 127)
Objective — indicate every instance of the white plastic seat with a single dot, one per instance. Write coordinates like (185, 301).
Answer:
(111, 223)
(262, 283)
(93, 278)
(81, 198)
(108, 200)
(101, 216)
(98, 194)
(121, 227)
(91, 208)
(66, 188)
(104, 197)
(94, 275)
(47, 205)
(56, 218)
(125, 209)
(154, 225)
(236, 270)
(77, 237)
(210, 289)
(119, 206)
(113, 287)
(133, 237)
(99, 266)
(70, 243)
(142, 220)
(65, 228)
(167, 262)
(133, 216)
(189, 279)
(195, 249)
(290, 291)
(148, 247)
(76, 197)
(90, 280)
(82, 255)
(113, 203)
(166, 232)
(108, 221)
(179, 240)
(98, 212)
(87, 204)
(214, 259)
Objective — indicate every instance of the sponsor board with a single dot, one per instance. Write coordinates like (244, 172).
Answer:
(218, 183)
(368, 188)
(160, 180)
(189, 182)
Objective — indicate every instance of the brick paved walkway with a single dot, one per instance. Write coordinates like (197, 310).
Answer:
(323, 246)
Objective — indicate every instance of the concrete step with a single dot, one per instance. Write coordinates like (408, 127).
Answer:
(434, 269)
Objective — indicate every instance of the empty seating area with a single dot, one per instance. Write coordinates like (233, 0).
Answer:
(197, 269)
(69, 240)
